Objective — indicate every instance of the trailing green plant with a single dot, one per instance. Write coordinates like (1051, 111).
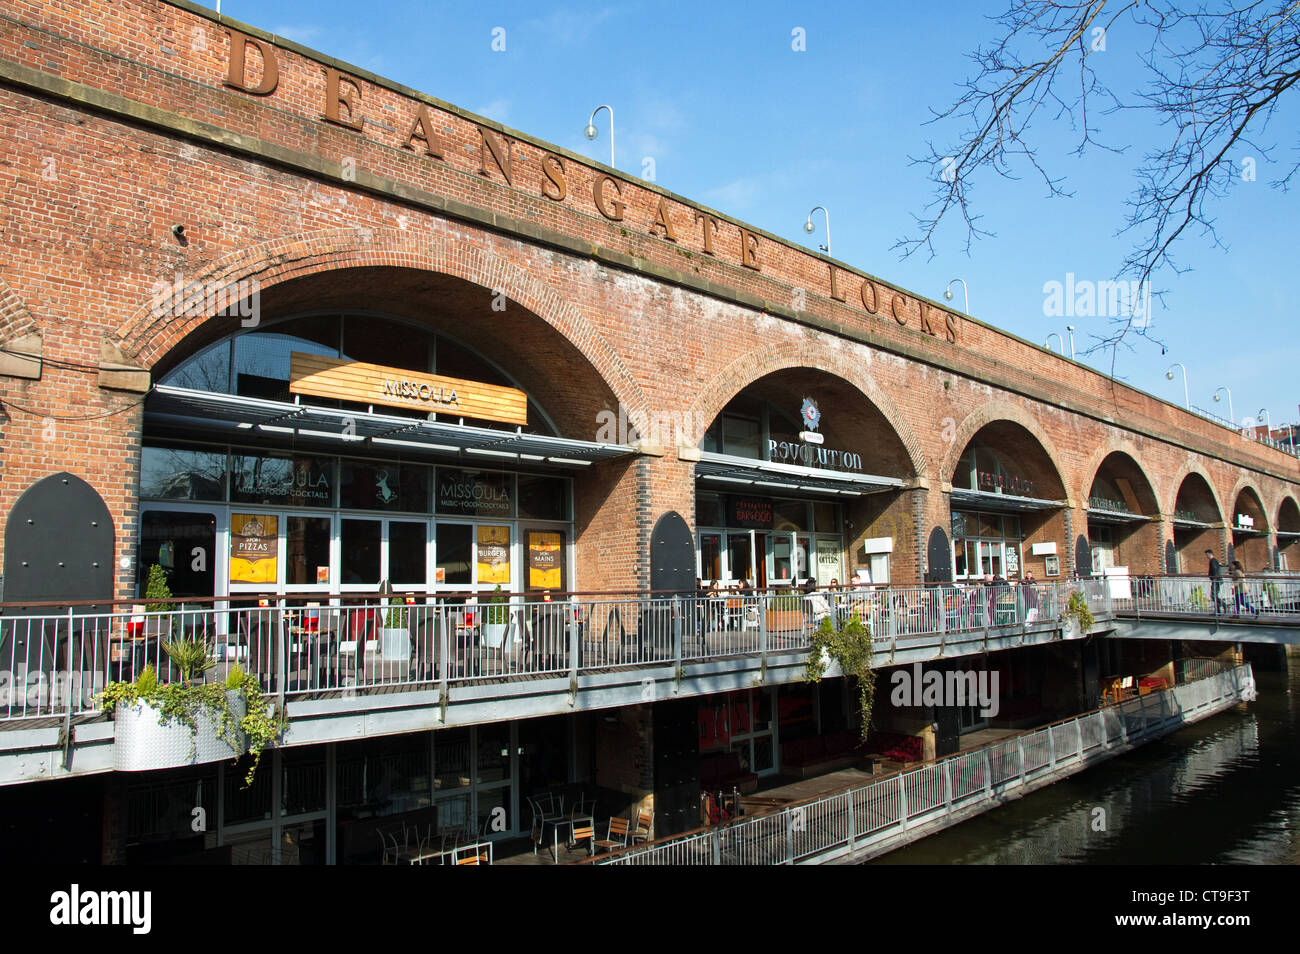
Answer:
(192, 655)
(1077, 606)
(850, 646)
(156, 588)
(497, 612)
(186, 702)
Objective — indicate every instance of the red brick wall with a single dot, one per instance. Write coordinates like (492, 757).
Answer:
(600, 312)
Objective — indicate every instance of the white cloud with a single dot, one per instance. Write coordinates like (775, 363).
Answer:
(304, 33)
(498, 109)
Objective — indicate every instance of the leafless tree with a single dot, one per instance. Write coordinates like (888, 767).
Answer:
(1218, 73)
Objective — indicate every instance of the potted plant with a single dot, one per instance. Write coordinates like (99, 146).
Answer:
(159, 725)
(156, 588)
(496, 619)
(785, 612)
(394, 636)
(1077, 616)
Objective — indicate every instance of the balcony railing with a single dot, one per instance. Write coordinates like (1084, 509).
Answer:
(873, 818)
(1275, 598)
(56, 665)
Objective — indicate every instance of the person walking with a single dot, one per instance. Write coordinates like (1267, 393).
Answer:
(1239, 590)
(1216, 575)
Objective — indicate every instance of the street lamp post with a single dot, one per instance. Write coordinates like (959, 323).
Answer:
(590, 132)
(1070, 329)
(1231, 415)
(947, 294)
(1187, 400)
(1268, 424)
(1048, 343)
(809, 227)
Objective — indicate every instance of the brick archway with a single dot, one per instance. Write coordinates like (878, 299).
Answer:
(1116, 445)
(972, 423)
(146, 336)
(744, 371)
(1243, 484)
(1176, 488)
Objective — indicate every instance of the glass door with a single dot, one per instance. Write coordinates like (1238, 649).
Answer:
(740, 557)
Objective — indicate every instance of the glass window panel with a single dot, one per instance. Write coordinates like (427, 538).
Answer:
(826, 517)
(990, 526)
(170, 540)
(790, 515)
(710, 556)
(741, 436)
(781, 570)
(708, 510)
(959, 524)
(476, 492)
(359, 546)
(451, 761)
(407, 552)
(543, 498)
(390, 344)
(739, 557)
(179, 473)
(302, 781)
(493, 811)
(262, 357)
(208, 371)
(494, 752)
(252, 803)
(455, 548)
(303, 844)
(297, 481)
(307, 541)
(383, 485)
(959, 558)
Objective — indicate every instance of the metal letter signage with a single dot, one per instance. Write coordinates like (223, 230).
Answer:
(374, 384)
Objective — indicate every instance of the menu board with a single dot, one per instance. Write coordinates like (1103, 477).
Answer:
(254, 548)
(493, 554)
(828, 560)
(545, 555)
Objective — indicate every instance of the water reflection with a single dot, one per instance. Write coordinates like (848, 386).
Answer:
(1223, 791)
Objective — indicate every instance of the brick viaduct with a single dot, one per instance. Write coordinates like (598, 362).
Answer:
(120, 121)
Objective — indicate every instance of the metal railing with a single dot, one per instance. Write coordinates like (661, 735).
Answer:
(870, 816)
(55, 665)
(1254, 597)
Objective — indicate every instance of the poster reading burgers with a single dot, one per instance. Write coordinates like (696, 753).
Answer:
(254, 548)
(493, 554)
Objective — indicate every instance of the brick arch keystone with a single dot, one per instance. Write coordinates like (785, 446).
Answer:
(1177, 485)
(1000, 411)
(144, 337)
(745, 370)
(1121, 445)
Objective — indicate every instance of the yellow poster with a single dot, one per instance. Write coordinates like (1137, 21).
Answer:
(544, 560)
(254, 548)
(493, 554)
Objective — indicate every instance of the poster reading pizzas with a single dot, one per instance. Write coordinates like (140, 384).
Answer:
(254, 548)
(493, 554)
(544, 561)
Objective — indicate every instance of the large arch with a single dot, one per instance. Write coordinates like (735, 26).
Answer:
(748, 369)
(1250, 545)
(1288, 534)
(1197, 517)
(990, 413)
(1120, 487)
(160, 325)
(995, 530)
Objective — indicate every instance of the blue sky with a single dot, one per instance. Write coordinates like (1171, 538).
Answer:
(734, 118)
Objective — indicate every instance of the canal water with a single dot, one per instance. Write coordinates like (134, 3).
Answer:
(1223, 791)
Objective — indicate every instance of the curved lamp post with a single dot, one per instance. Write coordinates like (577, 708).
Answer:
(1187, 401)
(965, 292)
(1231, 416)
(1048, 343)
(809, 227)
(591, 132)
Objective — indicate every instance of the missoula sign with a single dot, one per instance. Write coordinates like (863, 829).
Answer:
(421, 131)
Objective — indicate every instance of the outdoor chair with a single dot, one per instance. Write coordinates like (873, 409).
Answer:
(616, 835)
(643, 829)
(587, 833)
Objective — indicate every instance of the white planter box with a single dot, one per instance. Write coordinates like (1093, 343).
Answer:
(494, 635)
(141, 742)
(395, 643)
